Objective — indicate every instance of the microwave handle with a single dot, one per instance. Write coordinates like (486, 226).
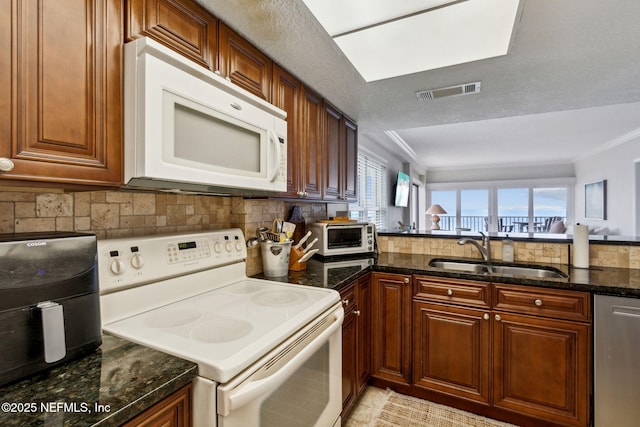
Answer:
(278, 157)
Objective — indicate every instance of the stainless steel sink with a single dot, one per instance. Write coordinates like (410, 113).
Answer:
(506, 270)
(459, 266)
(509, 270)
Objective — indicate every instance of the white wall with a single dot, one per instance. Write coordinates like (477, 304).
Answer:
(618, 165)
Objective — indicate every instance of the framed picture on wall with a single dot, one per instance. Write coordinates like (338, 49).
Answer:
(595, 200)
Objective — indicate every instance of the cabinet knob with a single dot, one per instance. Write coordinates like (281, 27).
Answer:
(485, 316)
(6, 165)
(345, 302)
(498, 318)
(356, 312)
(449, 292)
(538, 302)
(406, 280)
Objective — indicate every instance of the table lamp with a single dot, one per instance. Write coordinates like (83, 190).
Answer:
(434, 210)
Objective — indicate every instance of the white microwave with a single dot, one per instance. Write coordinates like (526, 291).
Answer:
(344, 238)
(188, 129)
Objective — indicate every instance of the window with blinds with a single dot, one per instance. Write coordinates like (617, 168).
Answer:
(372, 192)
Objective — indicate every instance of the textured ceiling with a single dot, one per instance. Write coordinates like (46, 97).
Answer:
(569, 86)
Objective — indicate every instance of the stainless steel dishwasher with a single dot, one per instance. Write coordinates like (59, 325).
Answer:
(617, 361)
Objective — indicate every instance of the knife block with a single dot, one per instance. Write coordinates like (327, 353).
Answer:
(294, 265)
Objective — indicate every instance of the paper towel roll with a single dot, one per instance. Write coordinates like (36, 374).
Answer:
(581, 246)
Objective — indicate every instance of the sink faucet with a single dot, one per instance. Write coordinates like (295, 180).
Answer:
(484, 248)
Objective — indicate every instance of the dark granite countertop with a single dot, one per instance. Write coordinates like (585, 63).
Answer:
(337, 274)
(124, 377)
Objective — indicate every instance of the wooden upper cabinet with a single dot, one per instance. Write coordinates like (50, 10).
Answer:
(62, 121)
(340, 156)
(350, 166)
(311, 126)
(331, 153)
(243, 63)
(182, 25)
(287, 93)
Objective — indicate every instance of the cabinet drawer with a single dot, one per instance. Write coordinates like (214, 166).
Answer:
(560, 304)
(466, 292)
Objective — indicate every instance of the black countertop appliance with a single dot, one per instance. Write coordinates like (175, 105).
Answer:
(49, 301)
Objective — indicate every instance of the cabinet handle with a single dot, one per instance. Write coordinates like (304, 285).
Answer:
(538, 302)
(406, 280)
(345, 302)
(356, 312)
(485, 316)
(449, 292)
(236, 106)
(498, 318)
(6, 165)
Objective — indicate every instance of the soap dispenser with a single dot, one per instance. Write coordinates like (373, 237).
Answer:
(507, 250)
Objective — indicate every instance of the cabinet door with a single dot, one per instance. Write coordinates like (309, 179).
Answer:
(363, 365)
(541, 368)
(66, 91)
(350, 160)
(451, 350)
(287, 93)
(312, 142)
(181, 25)
(172, 411)
(391, 311)
(243, 63)
(331, 154)
(349, 360)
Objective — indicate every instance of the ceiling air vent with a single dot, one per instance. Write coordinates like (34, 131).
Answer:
(463, 89)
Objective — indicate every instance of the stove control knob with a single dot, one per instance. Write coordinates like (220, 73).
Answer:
(228, 246)
(217, 247)
(238, 246)
(117, 267)
(137, 261)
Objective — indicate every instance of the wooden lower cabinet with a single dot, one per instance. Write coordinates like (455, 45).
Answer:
(511, 352)
(356, 338)
(541, 368)
(391, 327)
(172, 411)
(451, 350)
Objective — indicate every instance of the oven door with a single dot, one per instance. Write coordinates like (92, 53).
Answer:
(297, 384)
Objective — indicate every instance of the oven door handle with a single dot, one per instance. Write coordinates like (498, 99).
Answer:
(251, 390)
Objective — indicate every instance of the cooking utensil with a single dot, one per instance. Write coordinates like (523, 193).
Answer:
(313, 242)
(308, 255)
(304, 239)
(288, 228)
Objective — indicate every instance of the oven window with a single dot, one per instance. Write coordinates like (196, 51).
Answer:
(303, 397)
(344, 237)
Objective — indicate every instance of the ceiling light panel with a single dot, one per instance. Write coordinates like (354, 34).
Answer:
(341, 16)
(458, 33)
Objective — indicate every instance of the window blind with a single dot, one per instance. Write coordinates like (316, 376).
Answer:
(372, 192)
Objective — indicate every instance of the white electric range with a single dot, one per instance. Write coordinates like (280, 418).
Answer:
(268, 353)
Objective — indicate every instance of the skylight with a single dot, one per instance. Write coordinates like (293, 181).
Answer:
(384, 39)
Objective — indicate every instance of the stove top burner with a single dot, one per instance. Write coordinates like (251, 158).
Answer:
(221, 329)
(172, 318)
(279, 298)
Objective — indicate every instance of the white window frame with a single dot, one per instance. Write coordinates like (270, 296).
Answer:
(373, 209)
(493, 186)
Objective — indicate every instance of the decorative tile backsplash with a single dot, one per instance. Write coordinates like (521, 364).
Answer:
(546, 252)
(113, 214)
